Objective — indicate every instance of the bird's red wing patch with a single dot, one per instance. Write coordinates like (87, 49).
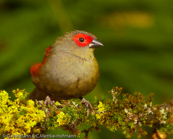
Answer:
(46, 54)
(34, 70)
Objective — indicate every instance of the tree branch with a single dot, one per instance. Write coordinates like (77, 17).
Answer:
(125, 112)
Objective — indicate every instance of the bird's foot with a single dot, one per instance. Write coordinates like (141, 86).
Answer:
(48, 101)
(87, 105)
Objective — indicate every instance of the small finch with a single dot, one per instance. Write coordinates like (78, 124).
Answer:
(69, 68)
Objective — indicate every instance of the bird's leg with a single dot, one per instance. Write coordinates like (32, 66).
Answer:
(87, 105)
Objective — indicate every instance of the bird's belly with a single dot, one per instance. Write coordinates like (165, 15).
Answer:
(73, 79)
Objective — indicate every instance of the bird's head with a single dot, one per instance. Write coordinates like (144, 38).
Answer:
(79, 39)
(84, 39)
(80, 43)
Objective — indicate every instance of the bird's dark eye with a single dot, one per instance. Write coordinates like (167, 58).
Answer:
(81, 39)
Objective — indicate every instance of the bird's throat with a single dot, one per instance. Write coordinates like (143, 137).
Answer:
(83, 58)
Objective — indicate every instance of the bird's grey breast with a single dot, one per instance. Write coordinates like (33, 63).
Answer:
(69, 68)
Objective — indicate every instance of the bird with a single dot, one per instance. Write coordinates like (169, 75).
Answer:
(69, 69)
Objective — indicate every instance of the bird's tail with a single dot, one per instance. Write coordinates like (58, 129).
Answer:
(37, 94)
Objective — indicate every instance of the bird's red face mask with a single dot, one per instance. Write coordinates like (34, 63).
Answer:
(83, 40)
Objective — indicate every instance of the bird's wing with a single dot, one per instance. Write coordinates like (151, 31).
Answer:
(34, 70)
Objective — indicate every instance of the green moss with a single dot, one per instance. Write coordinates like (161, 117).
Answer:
(128, 113)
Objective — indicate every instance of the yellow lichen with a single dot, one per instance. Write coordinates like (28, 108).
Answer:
(101, 107)
(101, 110)
(18, 117)
(62, 119)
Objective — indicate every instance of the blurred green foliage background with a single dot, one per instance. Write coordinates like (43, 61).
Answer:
(137, 37)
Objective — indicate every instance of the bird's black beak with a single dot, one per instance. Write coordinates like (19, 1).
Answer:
(95, 43)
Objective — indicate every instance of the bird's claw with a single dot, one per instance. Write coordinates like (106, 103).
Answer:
(48, 101)
(87, 105)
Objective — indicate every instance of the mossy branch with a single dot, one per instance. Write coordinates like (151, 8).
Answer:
(125, 112)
